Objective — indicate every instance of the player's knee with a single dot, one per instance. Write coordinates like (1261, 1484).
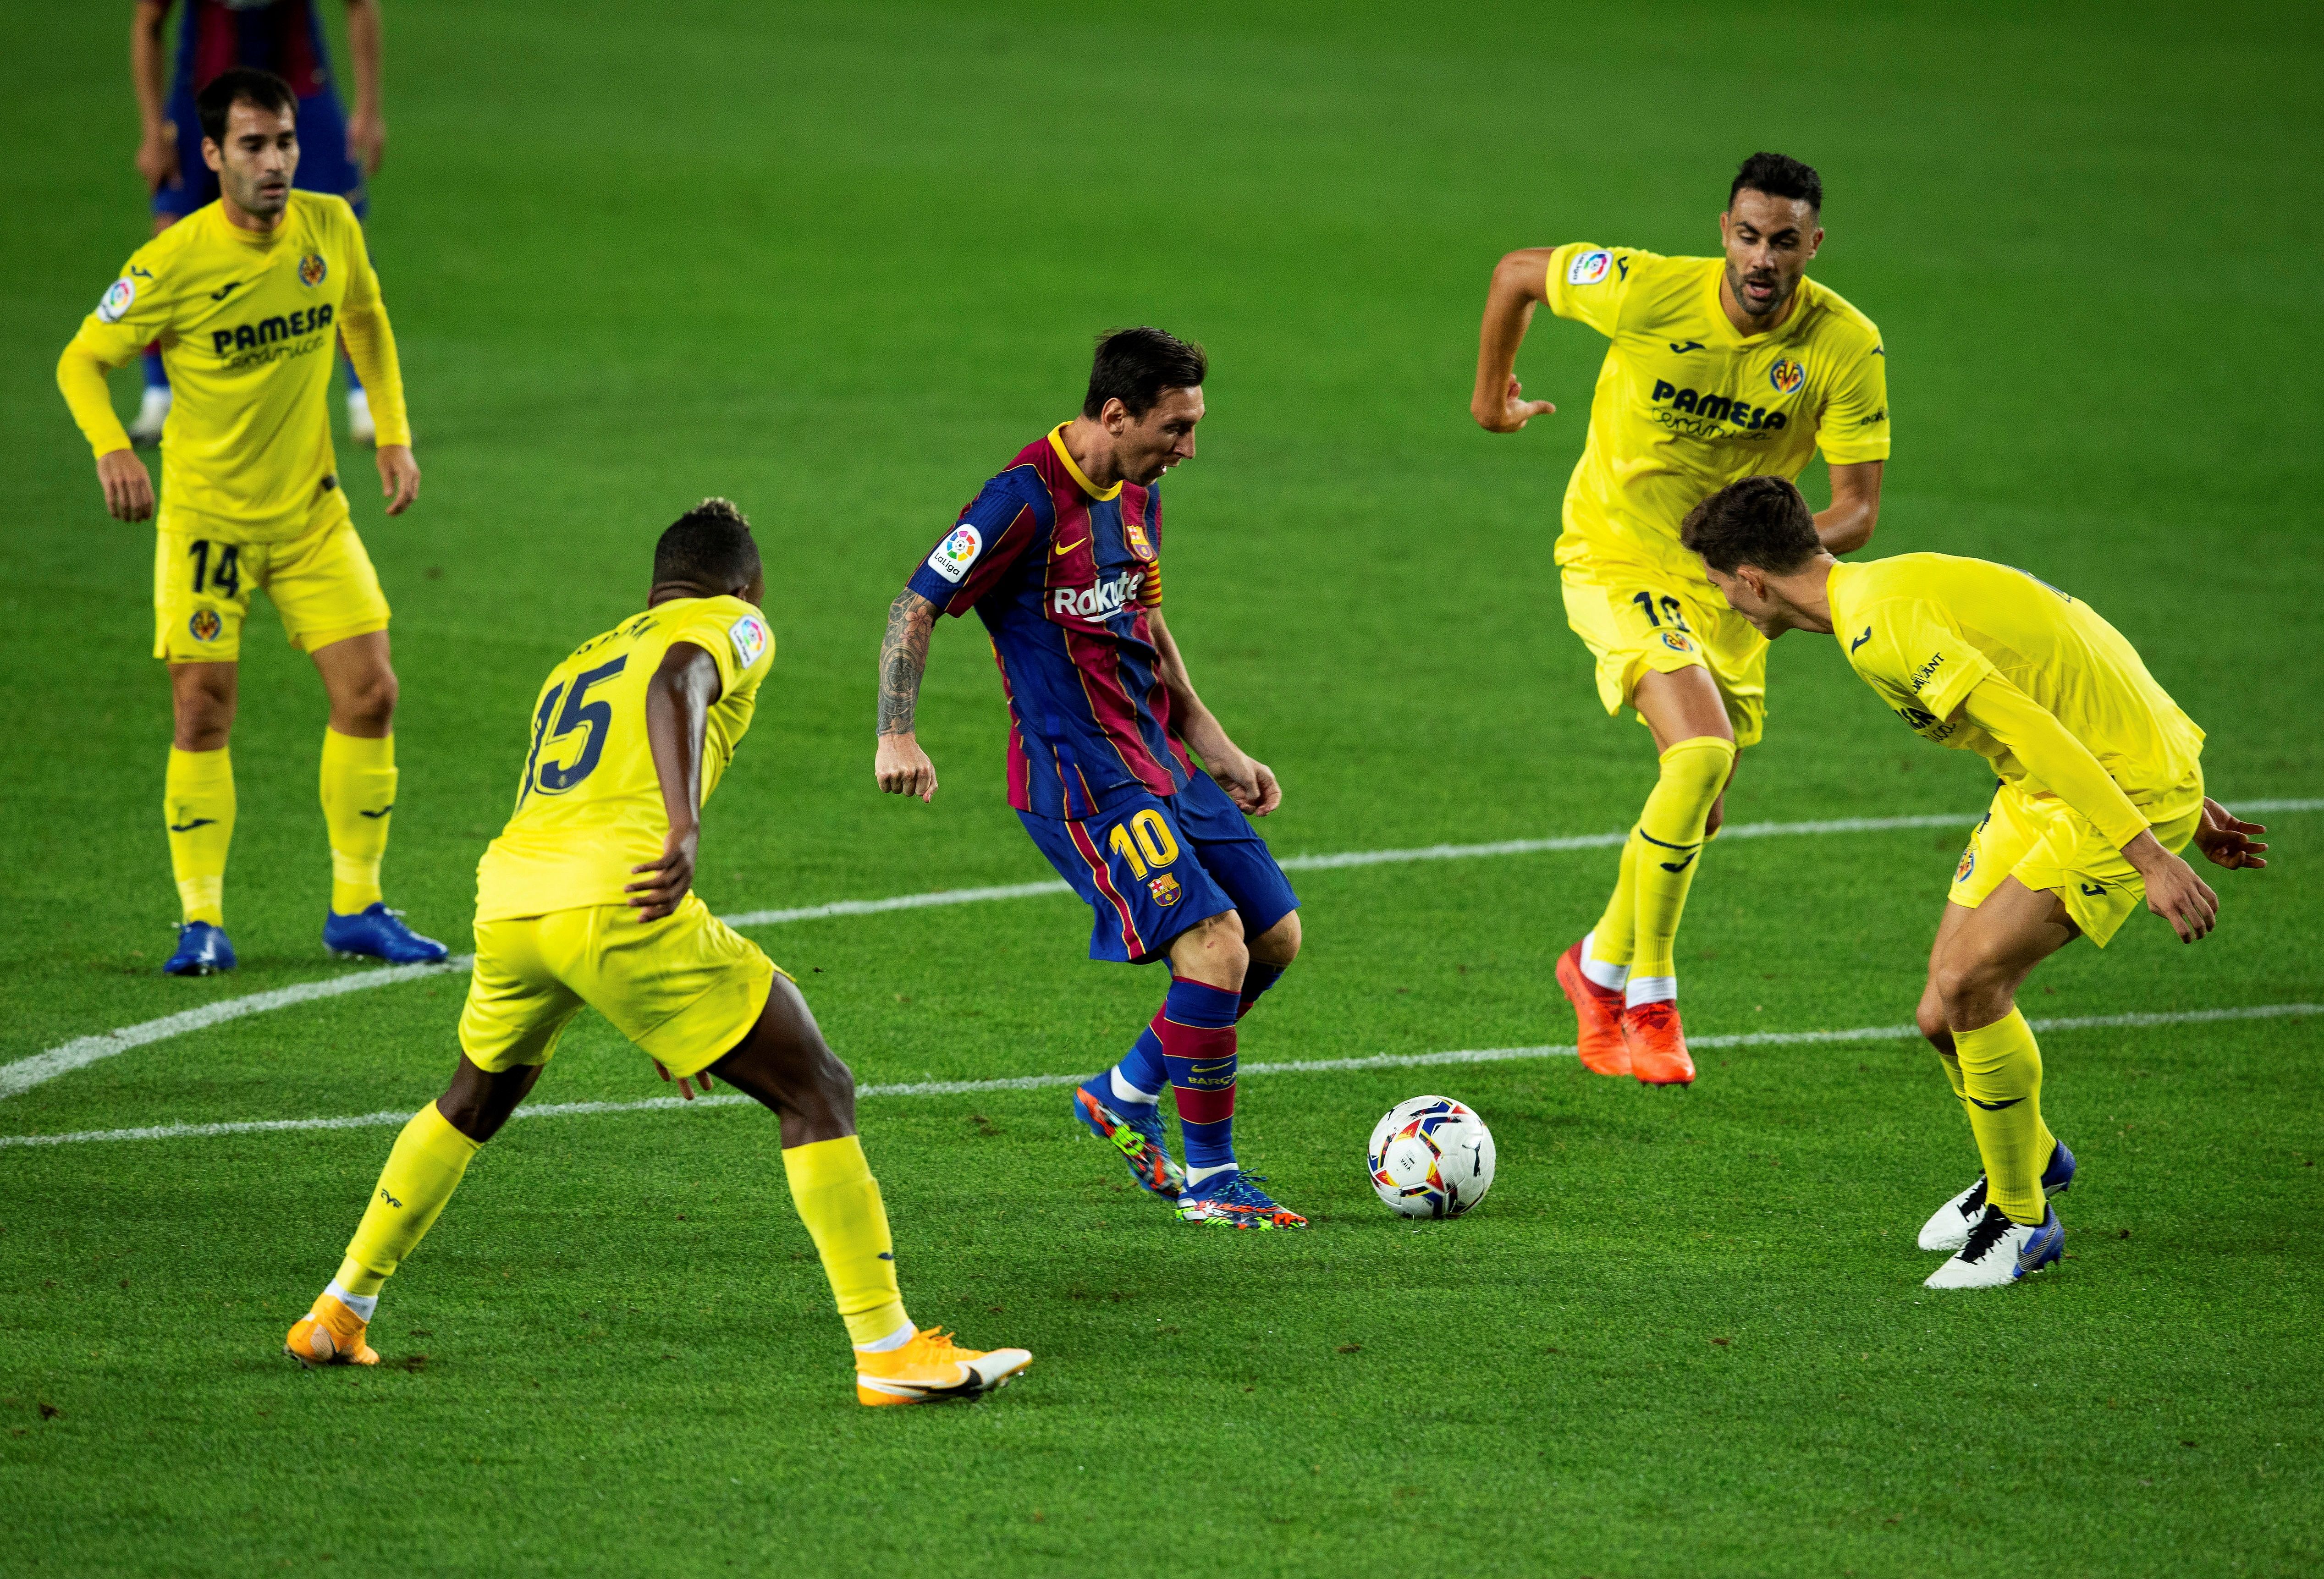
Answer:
(1965, 988)
(1930, 1017)
(1279, 946)
(1219, 951)
(368, 702)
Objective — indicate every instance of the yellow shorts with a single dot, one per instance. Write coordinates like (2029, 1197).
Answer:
(2046, 845)
(1634, 620)
(322, 583)
(686, 988)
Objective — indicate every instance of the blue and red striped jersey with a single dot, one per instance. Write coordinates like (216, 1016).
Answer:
(281, 36)
(1064, 574)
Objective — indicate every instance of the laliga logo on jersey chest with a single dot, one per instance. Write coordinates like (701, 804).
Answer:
(1101, 602)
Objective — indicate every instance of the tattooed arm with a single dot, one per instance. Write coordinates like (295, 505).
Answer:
(902, 767)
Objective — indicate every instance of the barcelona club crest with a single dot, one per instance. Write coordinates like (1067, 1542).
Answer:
(205, 625)
(1133, 533)
(312, 269)
(1787, 375)
(1164, 889)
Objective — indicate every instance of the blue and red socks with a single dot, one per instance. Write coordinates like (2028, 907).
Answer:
(1256, 980)
(1196, 1029)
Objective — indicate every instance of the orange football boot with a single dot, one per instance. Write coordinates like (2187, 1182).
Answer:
(1600, 1012)
(930, 1370)
(1657, 1045)
(329, 1335)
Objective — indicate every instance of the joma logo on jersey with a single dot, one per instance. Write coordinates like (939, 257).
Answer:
(1101, 602)
(266, 331)
(1716, 407)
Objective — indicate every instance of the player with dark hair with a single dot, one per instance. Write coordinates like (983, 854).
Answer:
(1718, 368)
(2101, 785)
(1060, 556)
(284, 38)
(586, 898)
(246, 298)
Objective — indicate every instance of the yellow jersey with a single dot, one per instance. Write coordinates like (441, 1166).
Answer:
(1924, 630)
(1684, 405)
(246, 322)
(590, 806)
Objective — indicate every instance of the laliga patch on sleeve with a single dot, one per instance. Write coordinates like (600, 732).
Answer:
(117, 298)
(1588, 268)
(956, 553)
(749, 635)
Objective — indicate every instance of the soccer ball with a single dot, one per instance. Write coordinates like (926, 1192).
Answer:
(1431, 1157)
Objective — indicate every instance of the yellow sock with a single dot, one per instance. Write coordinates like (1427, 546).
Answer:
(358, 793)
(420, 1175)
(198, 809)
(839, 1201)
(1951, 1061)
(2001, 1080)
(1670, 836)
(1614, 940)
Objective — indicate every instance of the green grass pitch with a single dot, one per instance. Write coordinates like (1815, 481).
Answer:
(839, 263)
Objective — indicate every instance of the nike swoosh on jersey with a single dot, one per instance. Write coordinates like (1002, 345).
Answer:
(375, 816)
(1995, 1107)
(1069, 547)
(1860, 641)
(188, 827)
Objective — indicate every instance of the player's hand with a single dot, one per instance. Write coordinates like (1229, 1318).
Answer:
(663, 882)
(685, 1090)
(2225, 839)
(128, 486)
(1248, 782)
(1513, 412)
(157, 158)
(2173, 891)
(902, 768)
(399, 478)
(366, 141)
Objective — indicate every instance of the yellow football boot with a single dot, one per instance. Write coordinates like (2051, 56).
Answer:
(329, 1335)
(929, 1370)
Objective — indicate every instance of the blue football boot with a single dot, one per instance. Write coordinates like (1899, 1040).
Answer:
(1948, 1228)
(202, 951)
(1232, 1200)
(1139, 1137)
(2000, 1251)
(379, 933)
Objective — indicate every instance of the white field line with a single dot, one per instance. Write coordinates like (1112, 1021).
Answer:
(565, 1110)
(26, 1073)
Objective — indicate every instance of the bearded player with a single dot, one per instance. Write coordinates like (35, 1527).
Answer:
(245, 297)
(1718, 368)
(2101, 785)
(586, 898)
(1060, 556)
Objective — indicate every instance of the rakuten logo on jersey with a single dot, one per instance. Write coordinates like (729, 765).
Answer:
(1101, 602)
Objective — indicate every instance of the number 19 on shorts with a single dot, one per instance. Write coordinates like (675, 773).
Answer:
(1144, 841)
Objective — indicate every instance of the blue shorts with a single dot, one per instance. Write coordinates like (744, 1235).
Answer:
(323, 162)
(1153, 866)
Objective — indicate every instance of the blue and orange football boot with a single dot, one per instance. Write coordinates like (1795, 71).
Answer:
(1232, 1200)
(329, 1335)
(1138, 1137)
(376, 932)
(202, 951)
(932, 1370)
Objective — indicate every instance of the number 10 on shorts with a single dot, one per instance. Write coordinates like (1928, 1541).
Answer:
(1144, 841)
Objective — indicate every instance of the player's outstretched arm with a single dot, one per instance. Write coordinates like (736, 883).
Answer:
(902, 767)
(157, 144)
(678, 711)
(1520, 283)
(2064, 766)
(1248, 782)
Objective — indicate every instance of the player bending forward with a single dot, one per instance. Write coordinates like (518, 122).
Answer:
(1061, 556)
(586, 899)
(2101, 785)
(245, 297)
(1718, 368)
